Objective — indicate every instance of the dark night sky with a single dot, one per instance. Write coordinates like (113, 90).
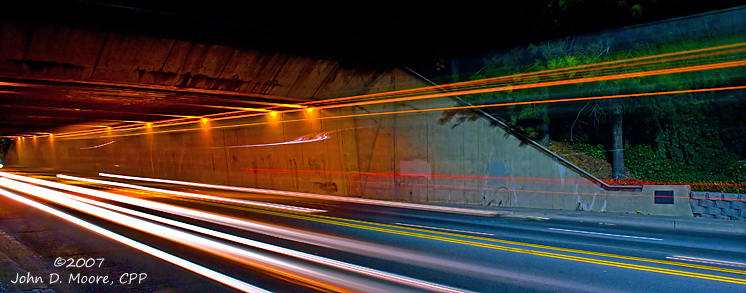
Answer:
(369, 33)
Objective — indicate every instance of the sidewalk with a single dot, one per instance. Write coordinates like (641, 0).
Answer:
(15, 258)
(638, 220)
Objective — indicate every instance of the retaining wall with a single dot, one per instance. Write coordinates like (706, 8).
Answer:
(725, 206)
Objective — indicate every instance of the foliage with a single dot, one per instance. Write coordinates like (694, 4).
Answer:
(644, 163)
(738, 172)
(695, 137)
(596, 151)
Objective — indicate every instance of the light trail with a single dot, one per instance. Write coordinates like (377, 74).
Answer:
(352, 246)
(199, 196)
(528, 75)
(709, 261)
(302, 139)
(474, 177)
(545, 84)
(284, 268)
(427, 92)
(98, 146)
(203, 271)
(459, 238)
(312, 195)
(413, 111)
(304, 274)
(370, 201)
(289, 252)
(434, 235)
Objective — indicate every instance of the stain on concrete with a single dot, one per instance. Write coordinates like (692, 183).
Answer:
(327, 187)
(497, 175)
(314, 164)
(42, 66)
(417, 168)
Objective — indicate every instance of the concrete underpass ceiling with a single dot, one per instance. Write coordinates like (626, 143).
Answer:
(64, 75)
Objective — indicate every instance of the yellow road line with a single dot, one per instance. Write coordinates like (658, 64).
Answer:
(372, 227)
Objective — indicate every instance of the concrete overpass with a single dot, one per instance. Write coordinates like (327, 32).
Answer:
(88, 101)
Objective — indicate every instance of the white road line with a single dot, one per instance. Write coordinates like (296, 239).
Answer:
(606, 234)
(709, 261)
(444, 229)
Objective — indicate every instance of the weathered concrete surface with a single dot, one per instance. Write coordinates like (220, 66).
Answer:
(69, 53)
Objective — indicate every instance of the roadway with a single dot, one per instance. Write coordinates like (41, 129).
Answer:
(207, 238)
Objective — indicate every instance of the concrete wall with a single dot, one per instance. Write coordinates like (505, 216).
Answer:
(358, 151)
(725, 206)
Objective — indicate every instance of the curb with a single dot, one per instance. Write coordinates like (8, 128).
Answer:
(693, 224)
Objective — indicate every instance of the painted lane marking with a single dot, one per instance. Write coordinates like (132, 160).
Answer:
(537, 252)
(379, 227)
(709, 261)
(605, 234)
(375, 227)
(384, 228)
(444, 229)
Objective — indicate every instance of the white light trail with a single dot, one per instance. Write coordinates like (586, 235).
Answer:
(316, 196)
(302, 139)
(709, 261)
(213, 275)
(232, 222)
(199, 196)
(310, 257)
(286, 268)
(98, 146)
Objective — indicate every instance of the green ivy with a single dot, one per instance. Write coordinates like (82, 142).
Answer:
(647, 165)
(596, 151)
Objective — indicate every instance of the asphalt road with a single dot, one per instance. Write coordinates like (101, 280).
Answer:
(234, 240)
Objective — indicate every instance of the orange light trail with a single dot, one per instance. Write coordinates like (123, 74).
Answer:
(462, 107)
(526, 76)
(547, 84)
(493, 88)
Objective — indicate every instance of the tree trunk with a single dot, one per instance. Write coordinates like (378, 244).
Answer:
(617, 142)
(544, 127)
